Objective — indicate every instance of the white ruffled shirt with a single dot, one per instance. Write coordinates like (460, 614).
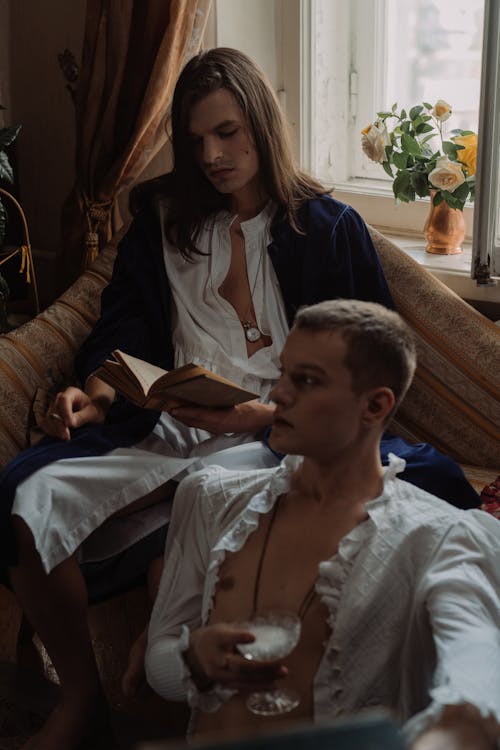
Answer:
(412, 596)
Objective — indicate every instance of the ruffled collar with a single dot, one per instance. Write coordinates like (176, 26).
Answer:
(262, 502)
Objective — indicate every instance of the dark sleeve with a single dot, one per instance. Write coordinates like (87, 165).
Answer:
(125, 320)
(334, 257)
(352, 263)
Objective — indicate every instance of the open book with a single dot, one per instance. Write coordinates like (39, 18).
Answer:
(153, 388)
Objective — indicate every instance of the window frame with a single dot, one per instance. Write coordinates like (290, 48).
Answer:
(372, 197)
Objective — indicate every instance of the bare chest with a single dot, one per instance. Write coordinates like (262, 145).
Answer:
(236, 289)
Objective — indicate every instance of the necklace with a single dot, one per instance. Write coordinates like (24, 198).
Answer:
(310, 593)
(251, 328)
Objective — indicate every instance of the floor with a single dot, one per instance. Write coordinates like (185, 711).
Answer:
(27, 694)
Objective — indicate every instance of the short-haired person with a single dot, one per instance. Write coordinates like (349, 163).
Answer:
(220, 255)
(401, 589)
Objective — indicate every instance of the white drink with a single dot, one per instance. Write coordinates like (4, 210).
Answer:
(271, 641)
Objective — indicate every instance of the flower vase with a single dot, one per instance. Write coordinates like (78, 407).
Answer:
(444, 229)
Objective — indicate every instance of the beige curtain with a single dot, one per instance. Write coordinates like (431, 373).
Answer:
(132, 56)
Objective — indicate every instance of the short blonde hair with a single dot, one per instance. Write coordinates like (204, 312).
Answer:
(380, 346)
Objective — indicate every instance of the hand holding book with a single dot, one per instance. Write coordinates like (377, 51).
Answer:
(154, 388)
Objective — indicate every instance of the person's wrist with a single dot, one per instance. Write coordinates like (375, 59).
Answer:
(200, 679)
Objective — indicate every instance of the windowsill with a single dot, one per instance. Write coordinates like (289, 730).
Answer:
(452, 270)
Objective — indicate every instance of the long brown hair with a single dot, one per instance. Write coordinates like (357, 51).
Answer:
(193, 198)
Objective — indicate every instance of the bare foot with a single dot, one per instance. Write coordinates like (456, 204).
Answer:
(135, 676)
(70, 724)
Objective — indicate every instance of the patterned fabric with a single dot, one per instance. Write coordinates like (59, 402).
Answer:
(36, 360)
(454, 401)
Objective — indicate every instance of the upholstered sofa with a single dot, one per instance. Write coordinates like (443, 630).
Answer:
(453, 403)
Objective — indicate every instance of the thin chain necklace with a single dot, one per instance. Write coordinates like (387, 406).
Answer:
(311, 592)
(251, 328)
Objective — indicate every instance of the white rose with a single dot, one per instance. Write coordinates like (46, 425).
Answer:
(447, 175)
(442, 110)
(374, 140)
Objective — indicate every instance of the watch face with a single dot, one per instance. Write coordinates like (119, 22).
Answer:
(252, 334)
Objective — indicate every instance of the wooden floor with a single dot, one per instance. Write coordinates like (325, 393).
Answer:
(114, 626)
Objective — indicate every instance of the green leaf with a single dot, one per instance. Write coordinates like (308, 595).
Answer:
(419, 183)
(402, 187)
(450, 149)
(423, 127)
(406, 126)
(6, 172)
(415, 111)
(403, 114)
(438, 198)
(410, 145)
(462, 191)
(427, 105)
(400, 160)
(8, 135)
(3, 220)
(394, 107)
(384, 115)
(387, 168)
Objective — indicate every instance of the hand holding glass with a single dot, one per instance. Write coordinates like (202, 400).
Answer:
(276, 635)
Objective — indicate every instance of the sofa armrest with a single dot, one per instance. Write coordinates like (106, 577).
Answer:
(40, 354)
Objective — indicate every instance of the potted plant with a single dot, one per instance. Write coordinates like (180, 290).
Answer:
(412, 148)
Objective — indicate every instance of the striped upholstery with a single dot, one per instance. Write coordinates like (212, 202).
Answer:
(39, 354)
(453, 403)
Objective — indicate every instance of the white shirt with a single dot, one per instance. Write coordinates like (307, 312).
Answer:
(205, 327)
(412, 595)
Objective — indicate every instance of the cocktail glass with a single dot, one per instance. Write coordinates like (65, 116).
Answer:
(276, 635)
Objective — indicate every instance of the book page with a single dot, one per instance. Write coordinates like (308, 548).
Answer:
(143, 372)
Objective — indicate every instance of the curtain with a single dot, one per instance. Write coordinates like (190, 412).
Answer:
(133, 53)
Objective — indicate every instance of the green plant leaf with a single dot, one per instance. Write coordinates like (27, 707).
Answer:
(450, 149)
(384, 115)
(401, 187)
(394, 107)
(387, 168)
(6, 172)
(400, 160)
(462, 191)
(406, 126)
(438, 198)
(403, 114)
(415, 111)
(410, 145)
(419, 183)
(427, 105)
(8, 135)
(424, 127)
(3, 222)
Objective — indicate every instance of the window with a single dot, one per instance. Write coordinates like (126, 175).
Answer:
(358, 57)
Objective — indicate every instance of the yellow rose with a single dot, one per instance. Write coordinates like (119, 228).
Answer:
(374, 140)
(447, 175)
(467, 155)
(442, 110)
